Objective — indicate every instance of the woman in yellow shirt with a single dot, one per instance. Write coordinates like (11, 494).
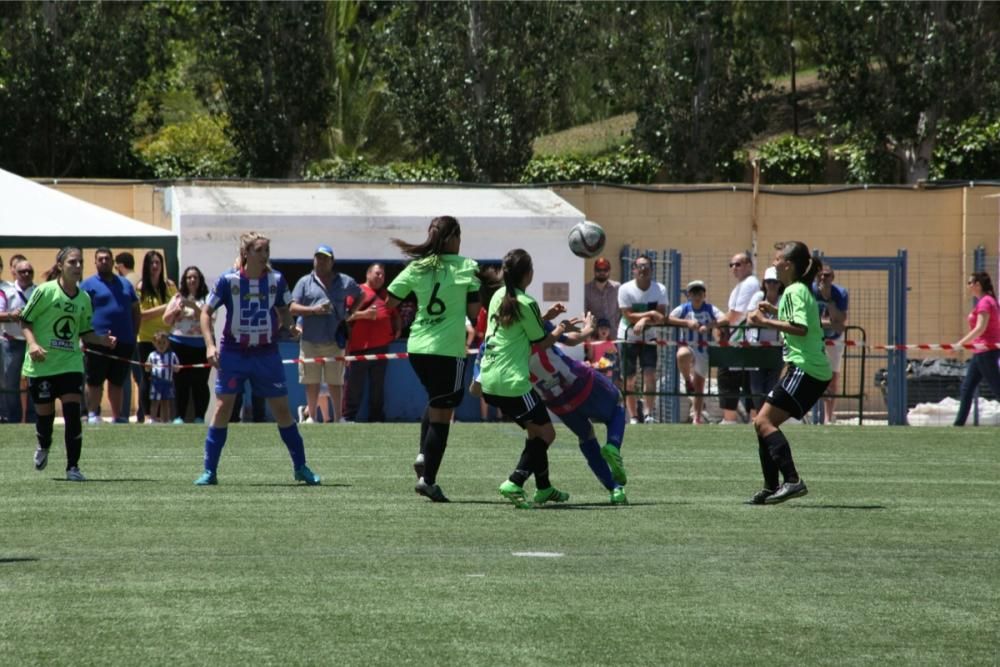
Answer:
(155, 292)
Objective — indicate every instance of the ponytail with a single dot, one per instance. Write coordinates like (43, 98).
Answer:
(516, 265)
(441, 230)
(797, 252)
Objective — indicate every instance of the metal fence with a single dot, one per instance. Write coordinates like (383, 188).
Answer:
(924, 302)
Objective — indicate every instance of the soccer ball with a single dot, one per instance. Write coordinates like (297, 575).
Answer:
(586, 239)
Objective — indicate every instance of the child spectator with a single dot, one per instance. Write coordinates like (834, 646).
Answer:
(161, 364)
(602, 353)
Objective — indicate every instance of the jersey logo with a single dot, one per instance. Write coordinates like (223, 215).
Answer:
(63, 328)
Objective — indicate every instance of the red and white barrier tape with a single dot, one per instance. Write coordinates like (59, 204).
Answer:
(946, 347)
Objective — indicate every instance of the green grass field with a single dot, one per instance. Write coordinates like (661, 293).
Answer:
(891, 559)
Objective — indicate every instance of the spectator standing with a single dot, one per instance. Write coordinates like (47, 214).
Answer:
(155, 292)
(762, 380)
(57, 317)
(692, 359)
(15, 298)
(734, 383)
(600, 295)
(832, 301)
(602, 353)
(639, 300)
(984, 329)
(125, 266)
(373, 326)
(4, 356)
(115, 310)
(183, 315)
(319, 300)
(162, 364)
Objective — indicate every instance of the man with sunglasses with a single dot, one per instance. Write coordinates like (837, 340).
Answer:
(640, 301)
(734, 382)
(832, 301)
(15, 298)
(600, 295)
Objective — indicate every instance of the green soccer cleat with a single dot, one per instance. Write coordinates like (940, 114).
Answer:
(618, 497)
(515, 494)
(207, 478)
(551, 494)
(613, 457)
(304, 474)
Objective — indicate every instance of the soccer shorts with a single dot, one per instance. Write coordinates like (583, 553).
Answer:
(443, 378)
(525, 409)
(262, 366)
(599, 406)
(48, 388)
(797, 392)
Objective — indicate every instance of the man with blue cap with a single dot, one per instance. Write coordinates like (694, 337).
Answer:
(319, 305)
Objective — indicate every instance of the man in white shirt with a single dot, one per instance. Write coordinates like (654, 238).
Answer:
(639, 300)
(735, 382)
(15, 298)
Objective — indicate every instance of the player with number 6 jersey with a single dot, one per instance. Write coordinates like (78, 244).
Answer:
(446, 286)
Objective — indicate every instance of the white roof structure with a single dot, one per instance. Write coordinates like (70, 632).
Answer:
(33, 210)
(359, 223)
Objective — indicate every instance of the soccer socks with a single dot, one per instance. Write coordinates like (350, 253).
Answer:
(293, 441)
(433, 447)
(523, 470)
(214, 442)
(767, 465)
(616, 426)
(425, 424)
(43, 430)
(539, 452)
(592, 452)
(74, 434)
(781, 455)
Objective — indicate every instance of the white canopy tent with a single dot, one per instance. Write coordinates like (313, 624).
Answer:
(36, 216)
(359, 223)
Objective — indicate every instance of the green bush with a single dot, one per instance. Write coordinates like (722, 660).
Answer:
(969, 150)
(863, 161)
(359, 169)
(197, 148)
(626, 165)
(792, 159)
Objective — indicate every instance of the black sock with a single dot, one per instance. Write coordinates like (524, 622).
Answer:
(434, 446)
(74, 434)
(781, 454)
(425, 423)
(767, 465)
(523, 470)
(540, 462)
(43, 430)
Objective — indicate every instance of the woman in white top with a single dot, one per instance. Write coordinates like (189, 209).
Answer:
(763, 379)
(183, 316)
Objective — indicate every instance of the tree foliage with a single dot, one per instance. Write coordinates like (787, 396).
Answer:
(698, 72)
(271, 62)
(472, 81)
(791, 159)
(71, 76)
(898, 70)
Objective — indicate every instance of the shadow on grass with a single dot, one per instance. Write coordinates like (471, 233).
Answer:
(17, 560)
(838, 507)
(91, 480)
(338, 485)
(571, 506)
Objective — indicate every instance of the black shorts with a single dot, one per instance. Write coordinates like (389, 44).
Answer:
(48, 388)
(100, 367)
(645, 355)
(797, 392)
(734, 384)
(522, 409)
(443, 378)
